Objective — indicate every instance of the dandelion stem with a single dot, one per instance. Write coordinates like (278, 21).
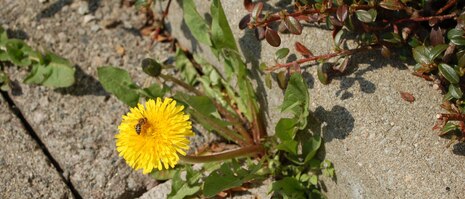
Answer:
(246, 151)
(231, 117)
(180, 83)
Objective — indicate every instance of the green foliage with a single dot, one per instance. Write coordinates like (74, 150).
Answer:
(229, 175)
(297, 166)
(225, 103)
(118, 82)
(180, 188)
(196, 23)
(46, 69)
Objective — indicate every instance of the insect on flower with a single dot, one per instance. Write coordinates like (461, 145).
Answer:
(163, 131)
(139, 125)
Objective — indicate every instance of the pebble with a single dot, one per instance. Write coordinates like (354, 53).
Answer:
(88, 18)
(95, 28)
(83, 8)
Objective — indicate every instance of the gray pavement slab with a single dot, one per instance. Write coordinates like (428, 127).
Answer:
(25, 171)
(78, 124)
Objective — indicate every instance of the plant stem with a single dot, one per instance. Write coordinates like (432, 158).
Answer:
(181, 83)
(246, 151)
(223, 131)
(220, 108)
(165, 13)
(235, 121)
(418, 19)
(314, 58)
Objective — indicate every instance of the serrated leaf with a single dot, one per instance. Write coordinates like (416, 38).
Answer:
(314, 179)
(221, 34)
(229, 175)
(289, 187)
(181, 189)
(455, 91)
(56, 72)
(165, 174)
(17, 52)
(286, 129)
(281, 53)
(296, 99)
(366, 16)
(195, 22)
(310, 147)
(449, 73)
(289, 146)
(183, 64)
(437, 50)
(293, 25)
(153, 91)
(272, 37)
(118, 82)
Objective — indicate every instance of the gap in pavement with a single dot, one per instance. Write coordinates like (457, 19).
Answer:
(36, 138)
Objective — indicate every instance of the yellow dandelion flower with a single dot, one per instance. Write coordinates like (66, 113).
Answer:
(152, 136)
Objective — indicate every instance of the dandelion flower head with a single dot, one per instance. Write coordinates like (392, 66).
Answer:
(151, 137)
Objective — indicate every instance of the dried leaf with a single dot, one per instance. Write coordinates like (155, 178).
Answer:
(392, 5)
(257, 10)
(293, 25)
(300, 48)
(436, 37)
(248, 5)
(341, 13)
(407, 96)
(244, 22)
(282, 80)
(272, 37)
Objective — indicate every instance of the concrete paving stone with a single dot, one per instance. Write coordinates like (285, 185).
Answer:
(381, 146)
(78, 124)
(25, 171)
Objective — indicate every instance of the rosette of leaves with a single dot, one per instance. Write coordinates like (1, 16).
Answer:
(226, 104)
(46, 69)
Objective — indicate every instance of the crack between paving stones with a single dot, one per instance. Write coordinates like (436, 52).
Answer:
(42, 146)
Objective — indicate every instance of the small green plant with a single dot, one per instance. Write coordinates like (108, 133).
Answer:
(46, 69)
(224, 104)
(430, 32)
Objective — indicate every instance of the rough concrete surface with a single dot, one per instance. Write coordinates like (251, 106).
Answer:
(25, 172)
(381, 146)
(78, 124)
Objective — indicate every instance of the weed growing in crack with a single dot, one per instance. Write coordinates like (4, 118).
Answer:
(225, 104)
